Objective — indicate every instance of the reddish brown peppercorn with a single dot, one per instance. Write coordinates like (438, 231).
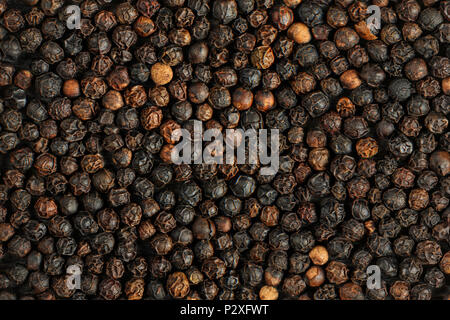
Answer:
(113, 100)
(71, 88)
(144, 26)
(118, 79)
(151, 118)
(350, 79)
(45, 208)
(264, 100)
(282, 16)
(242, 99)
(367, 147)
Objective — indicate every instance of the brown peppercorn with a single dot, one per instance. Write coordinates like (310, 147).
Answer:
(146, 230)
(299, 32)
(400, 290)
(351, 291)
(178, 285)
(198, 92)
(319, 255)
(445, 263)
(92, 163)
(46, 164)
(159, 96)
(45, 208)
(144, 26)
(180, 37)
(416, 69)
(6, 74)
(295, 135)
(411, 31)
(268, 293)
(167, 129)
(23, 78)
(242, 99)
(264, 100)
(345, 107)
(151, 117)
(93, 87)
(367, 147)
(282, 16)
(135, 96)
(119, 78)
(418, 199)
(303, 83)
(6, 231)
(112, 100)
(223, 224)
(292, 3)
(166, 153)
(270, 215)
(203, 229)
(345, 38)
(446, 86)
(364, 31)
(440, 162)
(350, 79)
(337, 272)
(315, 276)
(135, 288)
(262, 57)
(316, 138)
(161, 73)
(319, 158)
(204, 112)
(71, 88)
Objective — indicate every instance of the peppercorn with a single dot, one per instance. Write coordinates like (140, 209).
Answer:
(299, 32)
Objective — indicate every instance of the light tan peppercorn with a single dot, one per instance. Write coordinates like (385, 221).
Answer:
(319, 255)
(268, 293)
(161, 73)
(299, 32)
(350, 79)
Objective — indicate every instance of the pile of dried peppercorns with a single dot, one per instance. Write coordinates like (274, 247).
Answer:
(86, 123)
